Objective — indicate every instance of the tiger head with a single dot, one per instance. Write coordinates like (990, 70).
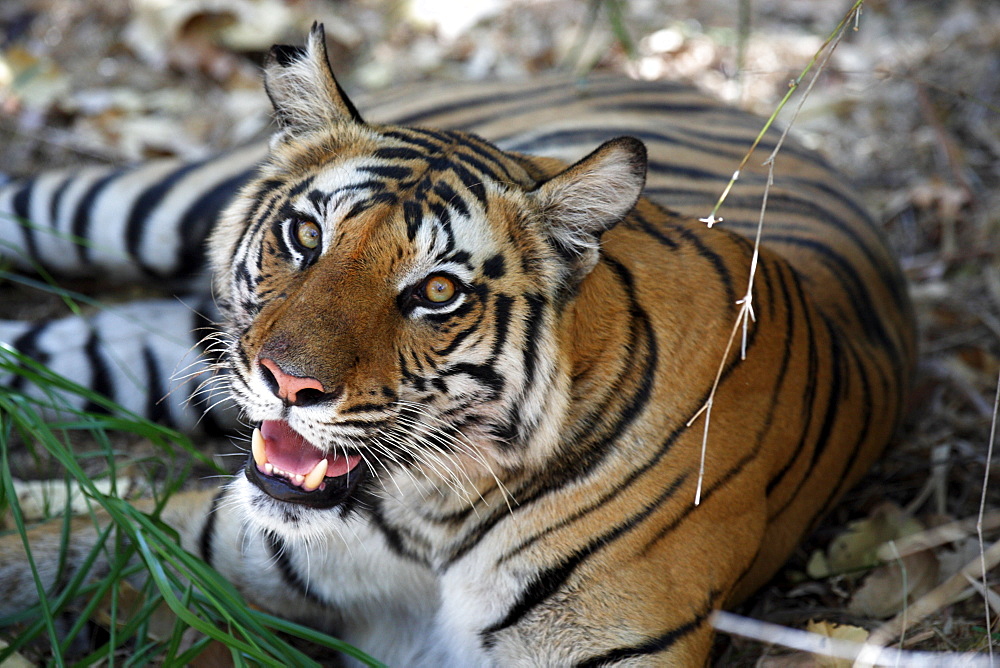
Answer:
(396, 300)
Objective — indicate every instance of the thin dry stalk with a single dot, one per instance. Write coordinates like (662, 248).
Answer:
(746, 313)
(821, 645)
(940, 535)
(982, 510)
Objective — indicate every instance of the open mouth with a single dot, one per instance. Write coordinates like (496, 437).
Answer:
(286, 466)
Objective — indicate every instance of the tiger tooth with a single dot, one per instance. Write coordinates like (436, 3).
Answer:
(298, 479)
(315, 477)
(257, 448)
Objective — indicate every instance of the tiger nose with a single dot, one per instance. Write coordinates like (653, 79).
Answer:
(295, 390)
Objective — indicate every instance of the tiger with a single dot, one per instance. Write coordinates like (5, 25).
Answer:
(499, 417)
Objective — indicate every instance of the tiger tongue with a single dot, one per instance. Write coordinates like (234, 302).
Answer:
(288, 450)
(280, 450)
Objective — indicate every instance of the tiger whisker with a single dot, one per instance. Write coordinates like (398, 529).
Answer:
(466, 447)
(437, 440)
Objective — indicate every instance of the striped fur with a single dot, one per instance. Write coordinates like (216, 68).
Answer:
(508, 358)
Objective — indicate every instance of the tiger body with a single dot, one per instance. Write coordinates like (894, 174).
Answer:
(505, 366)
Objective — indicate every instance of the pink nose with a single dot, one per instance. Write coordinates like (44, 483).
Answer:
(290, 386)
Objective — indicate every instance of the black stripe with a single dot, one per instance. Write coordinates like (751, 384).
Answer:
(535, 319)
(875, 253)
(100, 381)
(480, 170)
(457, 340)
(707, 492)
(495, 267)
(656, 644)
(547, 582)
(489, 101)
(206, 547)
(501, 317)
(398, 543)
(472, 182)
(367, 425)
(795, 203)
(56, 201)
(866, 405)
(713, 258)
(636, 218)
(144, 206)
(398, 153)
(196, 223)
(407, 135)
(21, 204)
(451, 198)
(362, 408)
(394, 172)
(82, 218)
(413, 214)
(282, 559)
(484, 373)
(27, 345)
(830, 416)
(156, 405)
(858, 296)
(810, 394)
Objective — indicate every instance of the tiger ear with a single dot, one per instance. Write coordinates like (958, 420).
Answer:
(304, 93)
(590, 197)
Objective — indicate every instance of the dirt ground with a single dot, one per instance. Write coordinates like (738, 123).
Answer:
(908, 107)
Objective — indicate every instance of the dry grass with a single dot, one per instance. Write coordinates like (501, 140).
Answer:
(909, 107)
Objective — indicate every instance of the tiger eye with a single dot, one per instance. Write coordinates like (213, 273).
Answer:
(307, 233)
(439, 289)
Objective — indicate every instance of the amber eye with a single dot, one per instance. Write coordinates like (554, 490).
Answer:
(439, 289)
(307, 233)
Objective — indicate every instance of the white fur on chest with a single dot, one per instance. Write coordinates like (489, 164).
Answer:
(401, 612)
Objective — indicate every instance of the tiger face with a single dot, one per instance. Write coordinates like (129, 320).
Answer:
(394, 298)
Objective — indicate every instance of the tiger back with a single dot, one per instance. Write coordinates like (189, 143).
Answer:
(490, 387)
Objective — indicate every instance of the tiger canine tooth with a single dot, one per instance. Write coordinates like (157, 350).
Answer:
(257, 448)
(315, 477)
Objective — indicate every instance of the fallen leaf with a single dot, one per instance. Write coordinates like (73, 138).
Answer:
(856, 549)
(834, 631)
(892, 585)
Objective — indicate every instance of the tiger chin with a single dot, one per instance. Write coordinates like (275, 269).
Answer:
(478, 381)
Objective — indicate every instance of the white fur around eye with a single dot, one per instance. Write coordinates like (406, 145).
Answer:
(418, 273)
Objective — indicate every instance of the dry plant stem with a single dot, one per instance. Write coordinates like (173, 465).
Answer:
(949, 150)
(852, 16)
(946, 533)
(944, 594)
(746, 313)
(991, 597)
(982, 509)
(902, 570)
(949, 374)
(775, 634)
